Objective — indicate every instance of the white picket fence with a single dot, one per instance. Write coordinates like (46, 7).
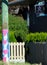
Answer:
(17, 52)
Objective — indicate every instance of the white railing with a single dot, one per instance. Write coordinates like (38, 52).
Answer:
(17, 52)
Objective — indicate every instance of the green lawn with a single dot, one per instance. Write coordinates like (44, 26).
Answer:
(20, 64)
(23, 64)
(1, 63)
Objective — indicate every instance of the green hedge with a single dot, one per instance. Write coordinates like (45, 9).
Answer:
(36, 37)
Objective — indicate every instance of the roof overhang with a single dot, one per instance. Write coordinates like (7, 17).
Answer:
(21, 2)
(16, 2)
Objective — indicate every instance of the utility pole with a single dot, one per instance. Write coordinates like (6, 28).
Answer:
(5, 43)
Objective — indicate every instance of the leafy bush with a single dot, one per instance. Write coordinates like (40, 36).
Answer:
(12, 37)
(0, 37)
(17, 23)
(18, 26)
(20, 35)
(37, 37)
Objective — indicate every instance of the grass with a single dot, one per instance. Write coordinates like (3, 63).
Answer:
(1, 63)
(20, 64)
(12, 63)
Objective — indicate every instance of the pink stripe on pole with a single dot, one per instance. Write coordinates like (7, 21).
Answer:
(4, 41)
(4, 59)
(5, 51)
(5, 31)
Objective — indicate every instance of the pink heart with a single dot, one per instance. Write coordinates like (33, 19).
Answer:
(4, 59)
(4, 31)
(5, 51)
(4, 41)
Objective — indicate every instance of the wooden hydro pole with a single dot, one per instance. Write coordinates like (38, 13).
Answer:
(5, 43)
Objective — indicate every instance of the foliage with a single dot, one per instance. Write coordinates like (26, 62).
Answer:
(17, 28)
(0, 37)
(20, 35)
(37, 37)
(12, 37)
(17, 23)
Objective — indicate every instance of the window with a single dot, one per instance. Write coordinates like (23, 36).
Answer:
(40, 9)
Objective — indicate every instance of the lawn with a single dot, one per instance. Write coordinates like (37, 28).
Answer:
(1, 63)
(20, 64)
(24, 64)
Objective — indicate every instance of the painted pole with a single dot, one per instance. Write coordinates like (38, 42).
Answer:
(5, 43)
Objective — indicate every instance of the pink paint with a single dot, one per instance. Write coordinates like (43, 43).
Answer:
(5, 51)
(4, 59)
(5, 31)
(4, 41)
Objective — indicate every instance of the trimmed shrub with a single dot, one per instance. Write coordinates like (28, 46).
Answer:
(37, 37)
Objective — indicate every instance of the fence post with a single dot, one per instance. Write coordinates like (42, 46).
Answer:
(23, 51)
